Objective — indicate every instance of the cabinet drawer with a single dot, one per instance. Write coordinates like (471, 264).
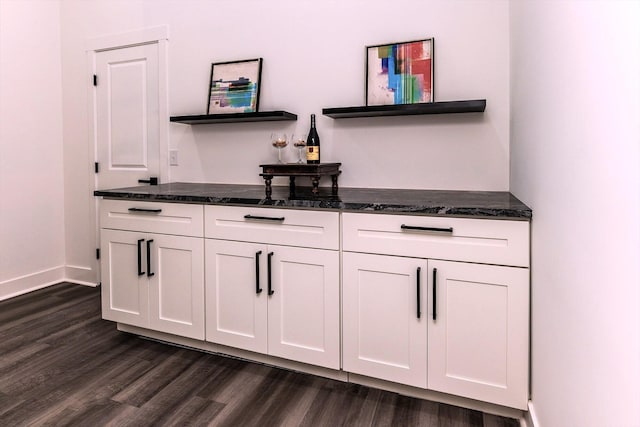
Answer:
(459, 239)
(151, 217)
(274, 226)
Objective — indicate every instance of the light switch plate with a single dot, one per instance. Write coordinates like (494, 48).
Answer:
(173, 157)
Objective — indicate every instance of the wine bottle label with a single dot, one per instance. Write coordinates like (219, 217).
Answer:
(313, 153)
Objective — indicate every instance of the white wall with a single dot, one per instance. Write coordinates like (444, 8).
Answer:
(575, 159)
(31, 186)
(313, 58)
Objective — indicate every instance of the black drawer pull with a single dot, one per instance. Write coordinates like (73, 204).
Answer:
(270, 290)
(145, 210)
(418, 290)
(140, 272)
(266, 218)
(258, 288)
(436, 229)
(435, 295)
(149, 273)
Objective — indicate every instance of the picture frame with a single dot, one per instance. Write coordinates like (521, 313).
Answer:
(234, 87)
(400, 73)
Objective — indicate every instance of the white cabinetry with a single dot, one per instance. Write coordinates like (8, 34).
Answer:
(272, 280)
(153, 266)
(478, 332)
(437, 303)
(384, 319)
(475, 344)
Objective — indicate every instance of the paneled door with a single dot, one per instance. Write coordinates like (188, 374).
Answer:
(384, 317)
(176, 284)
(236, 294)
(478, 341)
(304, 305)
(125, 289)
(127, 115)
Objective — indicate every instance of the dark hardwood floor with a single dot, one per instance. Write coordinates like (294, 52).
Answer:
(62, 365)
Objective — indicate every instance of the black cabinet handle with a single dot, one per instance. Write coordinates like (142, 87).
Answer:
(153, 180)
(145, 210)
(149, 273)
(436, 229)
(266, 218)
(435, 295)
(270, 291)
(258, 288)
(140, 272)
(418, 291)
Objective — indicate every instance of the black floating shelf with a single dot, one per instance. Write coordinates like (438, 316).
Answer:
(447, 107)
(261, 116)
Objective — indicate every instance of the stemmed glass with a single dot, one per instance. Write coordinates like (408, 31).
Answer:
(279, 140)
(300, 142)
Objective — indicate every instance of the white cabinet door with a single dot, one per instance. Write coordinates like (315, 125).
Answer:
(125, 292)
(478, 342)
(236, 295)
(154, 281)
(384, 317)
(304, 305)
(176, 284)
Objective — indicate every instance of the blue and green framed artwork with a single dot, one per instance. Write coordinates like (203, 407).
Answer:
(235, 87)
(400, 73)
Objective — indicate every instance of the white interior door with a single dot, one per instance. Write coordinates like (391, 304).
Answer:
(127, 115)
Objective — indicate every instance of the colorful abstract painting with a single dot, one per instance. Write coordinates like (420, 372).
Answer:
(235, 87)
(400, 73)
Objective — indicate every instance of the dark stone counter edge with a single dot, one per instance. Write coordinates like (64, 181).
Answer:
(524, 213)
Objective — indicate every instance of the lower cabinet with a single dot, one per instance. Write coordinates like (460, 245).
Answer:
(384, 317)
(269, 281)
(454, 327)
(278, 300)
(478, 331)
(154, 281)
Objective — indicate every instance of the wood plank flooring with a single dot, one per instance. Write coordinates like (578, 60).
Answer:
(62, 365)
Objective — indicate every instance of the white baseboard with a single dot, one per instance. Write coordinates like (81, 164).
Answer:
(80, 275)
(530, 418)
(41, 279)
(31, 282)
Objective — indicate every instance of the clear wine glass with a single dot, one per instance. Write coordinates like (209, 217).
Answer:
(300, 142)
(279, 140)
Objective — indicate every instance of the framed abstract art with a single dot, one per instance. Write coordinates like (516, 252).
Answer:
(400, 73)
(235, 87)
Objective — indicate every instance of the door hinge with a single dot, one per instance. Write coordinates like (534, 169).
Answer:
(96, 167)
(98, 253)
(95, 80)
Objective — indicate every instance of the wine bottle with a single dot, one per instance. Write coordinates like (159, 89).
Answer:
(313, 143)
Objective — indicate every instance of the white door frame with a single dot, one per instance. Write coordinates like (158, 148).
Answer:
(159, 35)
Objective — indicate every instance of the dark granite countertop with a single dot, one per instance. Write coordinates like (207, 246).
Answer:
(485, 204)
